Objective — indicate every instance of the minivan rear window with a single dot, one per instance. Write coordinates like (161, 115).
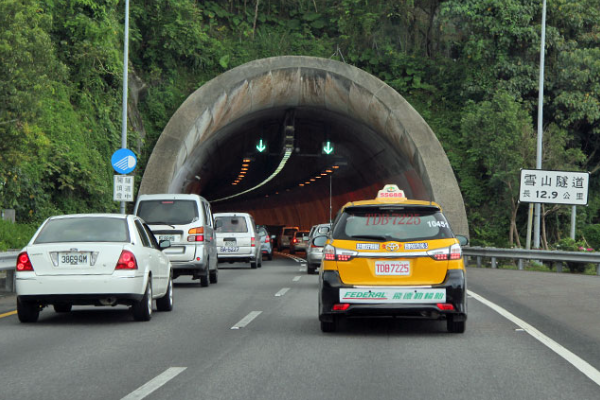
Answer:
(170, 212)
(381, 224)
(232, 225)
(84, 229)
(289, 232)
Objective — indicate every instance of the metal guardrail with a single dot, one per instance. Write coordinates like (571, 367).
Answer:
(555, 256)
(8, 260)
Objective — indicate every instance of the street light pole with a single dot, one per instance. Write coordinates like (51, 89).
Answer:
(125, 73)
(540, 132)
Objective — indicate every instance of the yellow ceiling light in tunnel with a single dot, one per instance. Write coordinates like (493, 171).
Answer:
(373, 129)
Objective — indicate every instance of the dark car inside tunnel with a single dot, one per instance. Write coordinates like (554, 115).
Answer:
(292, 139)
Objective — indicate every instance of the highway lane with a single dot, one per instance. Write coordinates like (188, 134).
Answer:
(281, 353)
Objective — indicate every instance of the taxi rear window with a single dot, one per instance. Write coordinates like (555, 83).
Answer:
(399, 224)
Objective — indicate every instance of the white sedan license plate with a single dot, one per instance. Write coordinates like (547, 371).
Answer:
(392, 268)
(74, 259)
(229, 249)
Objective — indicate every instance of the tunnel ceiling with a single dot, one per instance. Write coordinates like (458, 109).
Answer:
(295, 104)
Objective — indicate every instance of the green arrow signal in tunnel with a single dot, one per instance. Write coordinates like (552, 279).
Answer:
(261, 146)
(327, 147)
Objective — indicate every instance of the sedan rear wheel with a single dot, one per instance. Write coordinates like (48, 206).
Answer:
(27, 311)
(142, 310)
(165, 303)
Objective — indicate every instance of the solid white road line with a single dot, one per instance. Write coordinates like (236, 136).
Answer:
(297, 278)
(282, 292)
(246, 320)
(575, 360)
(154, 384)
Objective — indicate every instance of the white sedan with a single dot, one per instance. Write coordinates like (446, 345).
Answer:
(93, 259)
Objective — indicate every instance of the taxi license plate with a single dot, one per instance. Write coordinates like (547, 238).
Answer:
(229, 249)
(74, 259)
(401, 268)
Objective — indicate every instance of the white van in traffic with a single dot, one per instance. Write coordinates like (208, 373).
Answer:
(185, 220)
(237, 239)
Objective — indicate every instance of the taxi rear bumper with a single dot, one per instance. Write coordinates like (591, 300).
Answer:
(454, 285)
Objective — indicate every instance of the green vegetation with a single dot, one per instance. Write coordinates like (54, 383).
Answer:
(470, 67)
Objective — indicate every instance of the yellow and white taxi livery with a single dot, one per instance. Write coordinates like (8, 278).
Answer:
(393, 256)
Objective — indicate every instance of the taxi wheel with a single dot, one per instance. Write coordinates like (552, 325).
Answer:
(27, 311)
(455, 326)
(329, 326)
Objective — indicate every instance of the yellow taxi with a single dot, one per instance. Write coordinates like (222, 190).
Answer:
(392, 256)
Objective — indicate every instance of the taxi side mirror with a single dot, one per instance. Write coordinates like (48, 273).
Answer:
(462, 240)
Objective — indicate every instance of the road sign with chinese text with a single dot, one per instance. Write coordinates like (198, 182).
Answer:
(555, 187)
(123, 188)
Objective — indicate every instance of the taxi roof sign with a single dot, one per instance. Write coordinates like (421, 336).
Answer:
(391, 192)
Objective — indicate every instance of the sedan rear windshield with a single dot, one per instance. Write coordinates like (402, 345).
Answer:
(86, 229)
(402, 224)
(232, 225)
(170, 212)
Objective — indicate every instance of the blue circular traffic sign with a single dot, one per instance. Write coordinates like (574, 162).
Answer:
(123, 161)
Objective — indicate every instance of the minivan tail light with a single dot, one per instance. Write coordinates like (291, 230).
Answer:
(126, 261)
(196, 235)
(23, 262)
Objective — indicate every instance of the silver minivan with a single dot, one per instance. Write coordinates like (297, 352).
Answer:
(237, 239)
(186, 220)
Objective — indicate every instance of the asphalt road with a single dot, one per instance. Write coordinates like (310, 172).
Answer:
(255, 335)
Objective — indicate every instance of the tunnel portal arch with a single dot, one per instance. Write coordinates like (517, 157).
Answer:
(364, 109)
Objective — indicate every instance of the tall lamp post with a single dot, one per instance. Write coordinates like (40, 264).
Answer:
(125, 72)
(540, 132)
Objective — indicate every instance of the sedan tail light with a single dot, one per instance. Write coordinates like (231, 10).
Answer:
(23, 262)
(196, 235)
(126, 261)
(267, 239)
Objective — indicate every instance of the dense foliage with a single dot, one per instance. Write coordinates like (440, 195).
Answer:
(470, 67)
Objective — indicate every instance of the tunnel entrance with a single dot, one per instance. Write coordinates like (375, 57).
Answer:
(291, 139)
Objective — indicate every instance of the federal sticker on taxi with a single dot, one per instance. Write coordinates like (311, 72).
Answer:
(392, 256)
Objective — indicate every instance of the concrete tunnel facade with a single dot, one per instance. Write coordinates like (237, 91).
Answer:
(379, 137)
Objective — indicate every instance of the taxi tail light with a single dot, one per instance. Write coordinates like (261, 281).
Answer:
(331, 254)
(453, 252)
(23, 262)
(341, 307)
(127, 261)
(252, 242)
(196, 235)
(445, 306)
